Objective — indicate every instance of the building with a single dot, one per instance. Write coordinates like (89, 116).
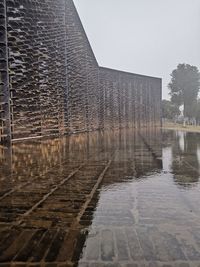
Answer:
(51, 83)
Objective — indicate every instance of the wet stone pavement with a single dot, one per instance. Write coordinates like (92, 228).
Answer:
(120, 198)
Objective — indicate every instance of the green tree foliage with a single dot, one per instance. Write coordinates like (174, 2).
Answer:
(169, 110)
(184, 88)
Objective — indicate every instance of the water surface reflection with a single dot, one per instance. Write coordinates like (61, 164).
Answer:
(114, 198)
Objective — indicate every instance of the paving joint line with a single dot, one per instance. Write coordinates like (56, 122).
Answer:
(90, 196)
(18, 222)
(29, 182)
(75, 225)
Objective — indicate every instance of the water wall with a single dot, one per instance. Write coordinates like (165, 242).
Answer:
(50, 80)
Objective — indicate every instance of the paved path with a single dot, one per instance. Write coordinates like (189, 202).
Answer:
(107, 201)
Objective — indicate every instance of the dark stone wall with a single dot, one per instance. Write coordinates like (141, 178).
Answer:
(50, 81)
(129, 100)
(5, 129)
(37, 68)
(82, 69)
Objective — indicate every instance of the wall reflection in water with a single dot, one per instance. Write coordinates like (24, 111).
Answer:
(59, 197)
(28, 159)
(50, 188)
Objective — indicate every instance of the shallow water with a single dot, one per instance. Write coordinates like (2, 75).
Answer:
(121, 198)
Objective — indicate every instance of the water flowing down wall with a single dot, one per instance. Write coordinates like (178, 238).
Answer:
(5, 128)
(129, 100)
(37, 68)
(82, 70)
(51, 83)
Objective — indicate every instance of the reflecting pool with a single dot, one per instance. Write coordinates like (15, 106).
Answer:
(117, 198)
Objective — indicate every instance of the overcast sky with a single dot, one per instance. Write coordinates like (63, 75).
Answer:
(149, 37)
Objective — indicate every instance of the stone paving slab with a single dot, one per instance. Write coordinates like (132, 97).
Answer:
(137, 215)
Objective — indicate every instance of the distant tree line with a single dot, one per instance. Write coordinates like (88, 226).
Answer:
(184, 91)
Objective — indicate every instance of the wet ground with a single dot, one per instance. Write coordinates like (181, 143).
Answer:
(123, 198)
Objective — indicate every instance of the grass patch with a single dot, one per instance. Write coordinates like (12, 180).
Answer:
(180, 127)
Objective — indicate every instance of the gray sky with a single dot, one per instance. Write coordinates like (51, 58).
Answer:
(143, 36)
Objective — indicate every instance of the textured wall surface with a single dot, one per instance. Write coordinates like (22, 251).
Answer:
(4, 75)
(37, 69)
(50, 81)
(82, 69)
(129, 100)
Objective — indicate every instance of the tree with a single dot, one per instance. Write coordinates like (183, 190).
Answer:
(169, 110)
(184, 88)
